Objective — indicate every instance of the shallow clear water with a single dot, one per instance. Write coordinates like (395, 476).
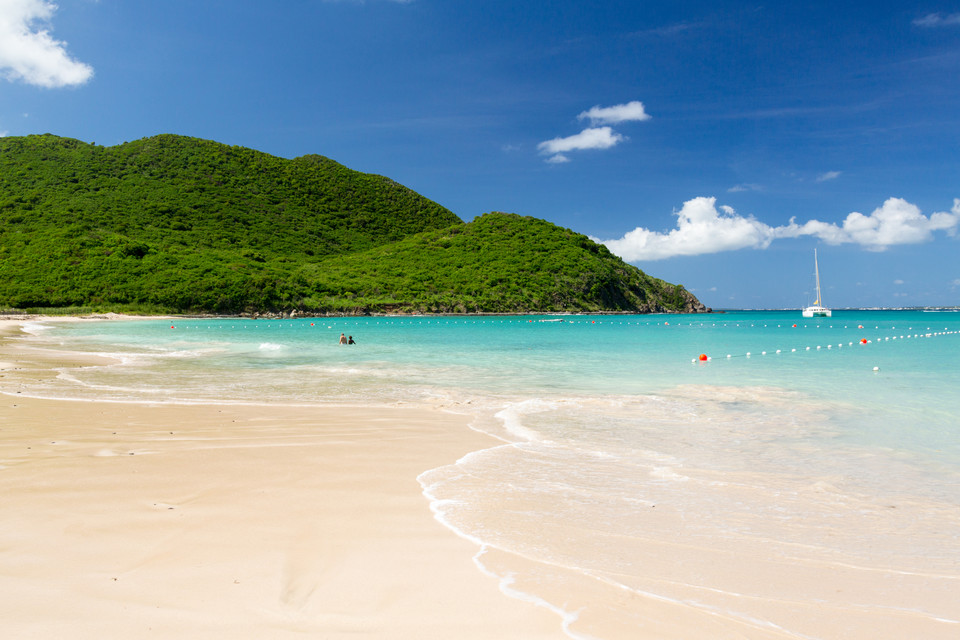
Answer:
(796, 446)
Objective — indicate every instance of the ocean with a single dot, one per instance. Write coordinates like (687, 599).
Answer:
(766, 474)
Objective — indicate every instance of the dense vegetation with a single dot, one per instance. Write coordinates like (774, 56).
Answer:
(176, 224)
(499, 262)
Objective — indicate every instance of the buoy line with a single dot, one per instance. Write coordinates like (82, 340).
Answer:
(861, 342)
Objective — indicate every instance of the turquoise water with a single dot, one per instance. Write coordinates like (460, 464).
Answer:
(411, 359)
(794, 439)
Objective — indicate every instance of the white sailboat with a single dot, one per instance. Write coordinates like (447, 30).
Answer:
(816, 310)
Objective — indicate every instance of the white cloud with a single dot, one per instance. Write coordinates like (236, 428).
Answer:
(938, 20)
(746, 186)
(701, 228)
(592, 138)
(29, 53)
(896, 222)
(704, 228)
(829, 175)
(898, 281)
(631, 111)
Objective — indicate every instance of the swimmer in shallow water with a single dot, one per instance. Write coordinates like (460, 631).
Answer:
(343, 339)
(350, 340)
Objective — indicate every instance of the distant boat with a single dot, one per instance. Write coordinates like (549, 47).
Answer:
(816, 310)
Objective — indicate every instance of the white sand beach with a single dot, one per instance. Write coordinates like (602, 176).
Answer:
(133, 521)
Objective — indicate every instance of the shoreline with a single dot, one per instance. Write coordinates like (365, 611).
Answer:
(235, 521)
(337, 518)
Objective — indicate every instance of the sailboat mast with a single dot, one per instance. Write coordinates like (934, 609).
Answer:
(816, 270)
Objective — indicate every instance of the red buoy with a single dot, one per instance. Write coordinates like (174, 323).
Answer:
(863, 341)
(703, 357)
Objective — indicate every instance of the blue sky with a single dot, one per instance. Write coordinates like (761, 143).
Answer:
(714, 144)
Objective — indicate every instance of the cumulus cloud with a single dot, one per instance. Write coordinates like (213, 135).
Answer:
(594, 136)
(896, 222)
(938, 20)
(703, 228)
(829, 175)
(29, 53)
(631, 111)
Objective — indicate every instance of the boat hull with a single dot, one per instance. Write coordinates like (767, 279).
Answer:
(816, 312)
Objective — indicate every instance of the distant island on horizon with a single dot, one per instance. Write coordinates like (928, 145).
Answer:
(177, 225)
(871, 308)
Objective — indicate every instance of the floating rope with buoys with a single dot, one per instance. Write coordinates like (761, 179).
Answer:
(862, 341)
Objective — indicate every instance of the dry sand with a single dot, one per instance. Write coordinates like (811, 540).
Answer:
(161, 521)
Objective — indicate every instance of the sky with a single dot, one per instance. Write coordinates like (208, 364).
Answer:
(713, 144)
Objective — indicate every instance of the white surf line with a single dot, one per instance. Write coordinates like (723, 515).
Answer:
(695, 605)
(505, 582)
(861, 342)
(568, 618)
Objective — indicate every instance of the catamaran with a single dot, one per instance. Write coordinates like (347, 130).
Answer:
(816, 310)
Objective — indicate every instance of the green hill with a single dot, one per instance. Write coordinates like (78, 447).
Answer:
(497, 263)
(176, 224)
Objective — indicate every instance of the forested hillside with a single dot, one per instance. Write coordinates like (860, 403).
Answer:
(499, 262)
(177, 224)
